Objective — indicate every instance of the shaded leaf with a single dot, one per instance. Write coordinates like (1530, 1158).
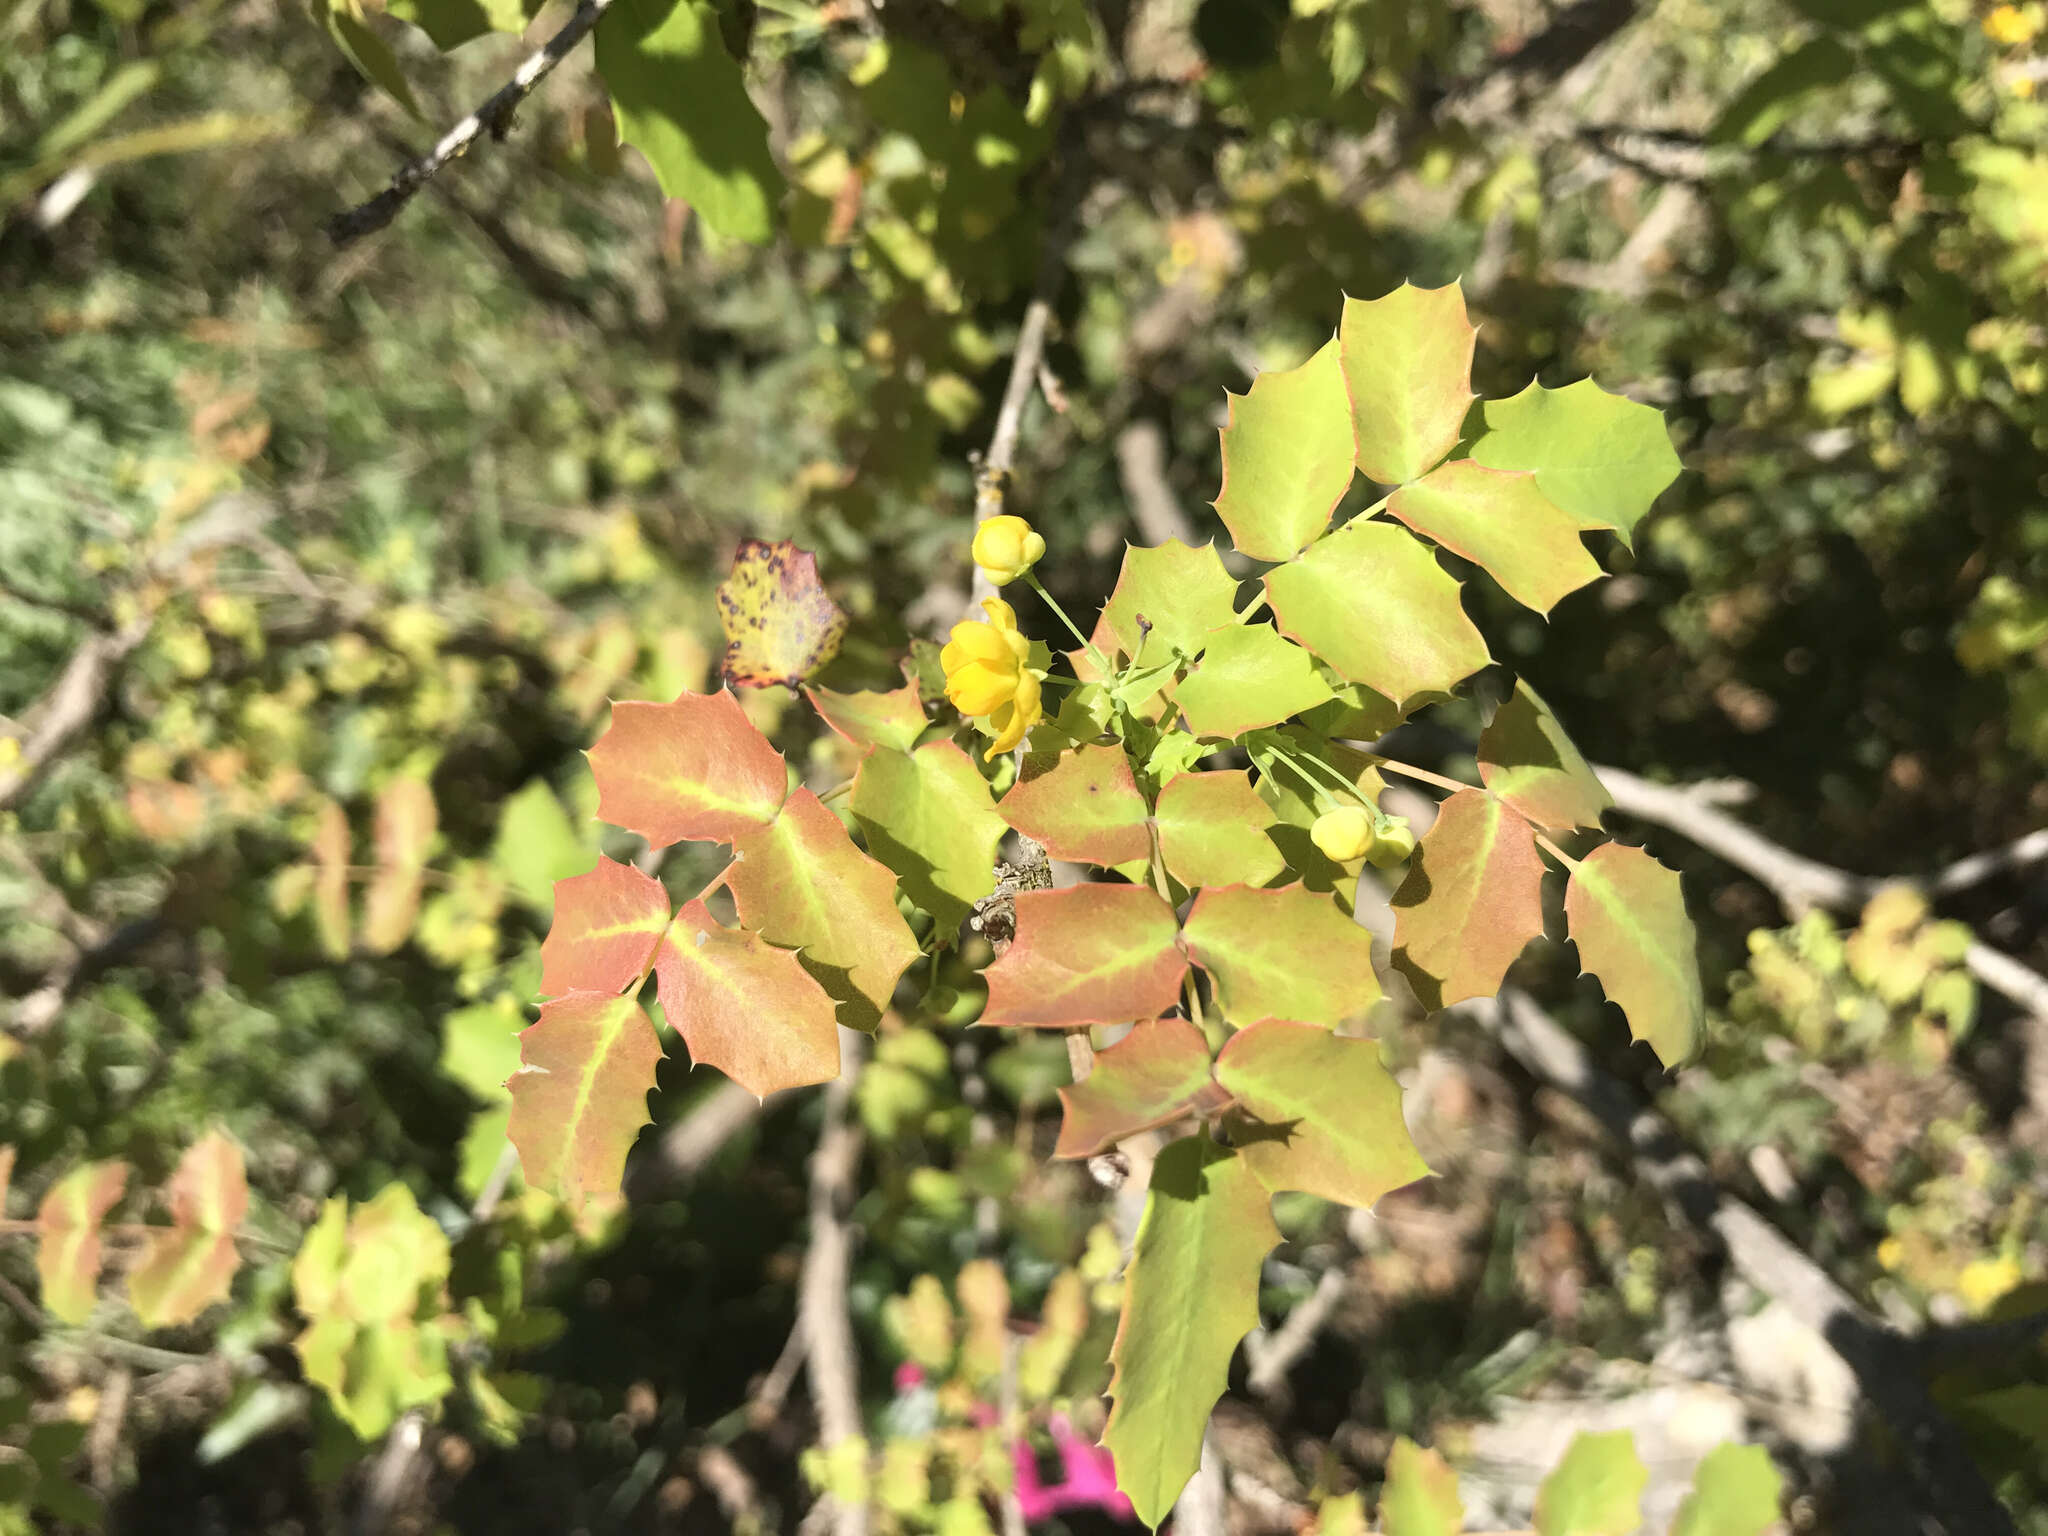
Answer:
(1735, 1492)
(1285, 954)
(330, 880)
(1627, 915)
(802, 884)
(745, 1007)
(536, 845)
(1190, 1294)
(695, 769)
(1248, 676)
(187, 1268)
(1371, 601)
(1180, 593)
(1600, 457)
(1088, 954)
(1596, 1490)
(1526, 758)
(1472, 899)
(1287, 451)
(1502, 522)
(929, 816)
(579, 1097)
(1085, 806)
(871, 718)
(368, 52)
(780, 623)
(406, 818)
(1421, 1496)
(1332, 1112)
(1155, 1074)
(1408, 369)
(6, 1177)
(451, 23)
(68, 1229)
(1212, 830)
(606, 926)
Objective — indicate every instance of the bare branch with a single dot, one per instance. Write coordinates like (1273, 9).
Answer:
(993, 478)
(691, 1143)
(1273, 1355)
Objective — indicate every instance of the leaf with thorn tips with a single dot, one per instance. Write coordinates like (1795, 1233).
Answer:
(695, 769)
(1735, 1492)
(1212, 830)
(1596, 1490)
(1088, 954)
(1602, 458)
(1172, 593)
(1526, 758)
(745, 1007)
(1249, 676)
(1472, 900)
(189, 1266)
(1155, 1074)
(1408, 369)
(928, 815)
(68, 1226)
(1421, 1495)
(606, 925)
(872, 718)
(1626, 913)
(1503, 523)
(579, 1097)
(1286, 954)
(1287, 451)
(1083, 805)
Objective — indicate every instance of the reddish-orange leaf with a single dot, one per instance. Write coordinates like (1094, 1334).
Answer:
(1472, 899)
(406, 819)
(780, 623)
(1626, 913)
(1526, 758)
(745, 1007)
(1085, 805)
(579, 1097)
(68, 1226)
(606, 926)
(1156, 1073)
(1089, 954)
(1289, 954)
(801, 884)
(189, 1266)
(330, 880)
(695, 769)
(873, 719)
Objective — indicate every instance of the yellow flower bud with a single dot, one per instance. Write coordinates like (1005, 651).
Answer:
(1394, 844)
(1006, 547)
(1343, 834)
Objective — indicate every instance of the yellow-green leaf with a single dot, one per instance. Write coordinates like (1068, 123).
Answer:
(1286, 954)
(1526, 758)
(1287, 452)
(1421, 1496)
(1502, 522)
(1408, 369)
(1596, 1490)
(928, 815)
(68, 1229)
(1735, 1492)
(1627, 915)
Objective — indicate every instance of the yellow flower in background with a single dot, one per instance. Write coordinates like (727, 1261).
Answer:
(1984, 1281)
(1343, 834)
(1006, 547)
(986, 673)
(2012, 26)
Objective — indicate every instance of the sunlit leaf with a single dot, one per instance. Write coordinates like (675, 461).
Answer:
(189, 1266)
(1155, 1074)
(1286, 954)
(68, 1232)
(984, 1296)
(1408, 368)
(1735, 1492)
(1287, 452)
(450, 23)
(1472, 899)
(1600, 457)
(872, 718)
(1212, 830)
(1332, 1112)
(1421, 1495)
(781, 625)
(695, 769)
(1526, 758)
(745, 1007)
(1502, 522)
(1248, 676)
(480, 1046)
(406, 819)
(929, 817)
(1627, 915)
(330, 880)
(579, 1097)
(1595, 1490)
(606, 926)
(1190, 1294)
(1175, 594)
(1087, 954)
(1084, 805)
(536, 845)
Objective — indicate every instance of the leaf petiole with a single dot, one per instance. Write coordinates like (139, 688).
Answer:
(1101, 661)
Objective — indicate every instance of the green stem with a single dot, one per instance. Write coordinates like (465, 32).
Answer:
(1557, 853)
(1101, 661)
(1322, 792)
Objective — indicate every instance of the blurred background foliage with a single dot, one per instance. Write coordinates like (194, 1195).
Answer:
(288, 531)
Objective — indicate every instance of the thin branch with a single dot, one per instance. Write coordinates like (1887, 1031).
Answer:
(1274, 1354)
(832, 1365)
(1203, 1508)
(69, 706)
(688, 1146)
(993, 478)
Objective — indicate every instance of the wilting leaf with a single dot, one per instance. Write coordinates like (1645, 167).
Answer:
(1084, 806)
(1735, 1492)
(405, 829)
(1285, 954)
(1600, 457)
(1287, 451)
(579, 1097)
(68, 1229)
(1408, 368)
(1332, 1112)
(871, 718)
(745, 1007)
(188, 1267)
(1526, 758)
(1248, 676)
(1155, 1074)
(1179, 594)
(1421, 1496)
(1212, 830)
(1596, 1490)
(330, 880)
(781, 625)
(1502, 522)
(606, 926)
(801, 884)
(1627, 915)
(1472, 899)
(1190, 1293)
(1088, 954)
(695, 769)
(929, 816)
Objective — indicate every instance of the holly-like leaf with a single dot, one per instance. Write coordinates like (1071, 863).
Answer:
(695, 769)
(1602, 458)
(1155, 1074)
(330, 880)
(406, 818)
(1408, 368)
(1735, 1492)
(1088, 954)
(681, 101)
(802, 884)
(606, 926)
(1332, 1114)
(745, 1007)
(68, 1229)
(1473, 897)
(1190, 1294)
(1285, 954)
(1526, 758)
(1421, 1496)
(1596, 1490)
(1627, 915)
(1179, 594)
(1084, 806)
(1287, 451)
(1212, 830)
(930, 817)
(188, 1267)
(579, 1097)
(871, 718)
(1248, 676)
(1502, 522)
(1371, 601)
(780, 623)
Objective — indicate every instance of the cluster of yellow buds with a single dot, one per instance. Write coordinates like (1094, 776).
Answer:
(987, 673)
(1350, 832)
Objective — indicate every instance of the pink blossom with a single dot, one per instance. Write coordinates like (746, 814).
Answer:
(1089, 1482)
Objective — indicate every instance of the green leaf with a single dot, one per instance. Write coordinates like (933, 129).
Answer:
(536, 845)
(370, 54)
(1154, 1075)
(1421, 1496)
(451, 23)
(1084, 805)
(1285, 954)
(606, 926)
(1248, 676)
(1180, 593)
(1212, 830)
(580, 1095)
(745, 1007)
(1408, 369)
(802, 884)
(1087, 954)
(1332, 1112)
(68, 1233)
(680, 100)
(1371, 601)
(1627, 915)
(1472, 899)
(871, 718)
(780, 623)
(1502, 522)
(929, 816)
(1287, 451)
(480, 1046)
(695, 769)
(1600, 457)
(1190, 1294)
(1735, 1492)
(1526, 758)
(188, 1267)
(1596, 1490)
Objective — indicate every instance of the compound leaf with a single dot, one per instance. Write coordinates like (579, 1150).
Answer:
(780, 623)
(1085, 806)
(1596, 1490)
(1287, 451)
(696, 768)
(1526, 758)
(1087, 954)
(1502, 522)
(1472, 899)
(745, 1007)
(606, 926)
(1627, 914)
(1735, 1492)
(189, 1266)
(68, 1229)
(1602, 458)
(1155, 1074)
(1421, 1496)
(579, 1097)
(1408, 369)
(929, 816)
(1285, 954)
(1249, 676)
(1212, 830)
(1180, 594)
